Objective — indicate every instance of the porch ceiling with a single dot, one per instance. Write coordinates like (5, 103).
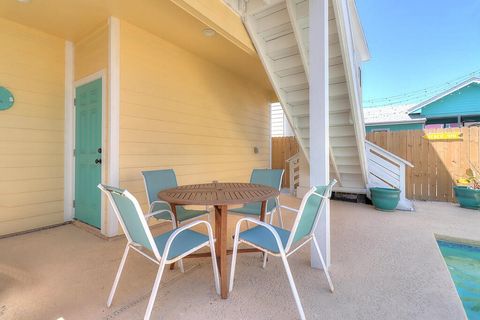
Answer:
(176, 21)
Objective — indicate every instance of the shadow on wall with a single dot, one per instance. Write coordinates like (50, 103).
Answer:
(439, 156)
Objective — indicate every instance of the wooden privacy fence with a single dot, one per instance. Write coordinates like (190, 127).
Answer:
(282, 149)
(437, 163)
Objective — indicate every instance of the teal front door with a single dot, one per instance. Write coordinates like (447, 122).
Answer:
(88, 152)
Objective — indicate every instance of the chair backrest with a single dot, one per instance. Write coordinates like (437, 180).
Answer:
(310, 212)
(268, 177)
(130, 216)
(158, 180)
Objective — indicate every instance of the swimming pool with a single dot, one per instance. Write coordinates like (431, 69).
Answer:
(463, 261)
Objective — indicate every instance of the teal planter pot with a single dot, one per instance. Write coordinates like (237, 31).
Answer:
(467, 197)
(385, 199)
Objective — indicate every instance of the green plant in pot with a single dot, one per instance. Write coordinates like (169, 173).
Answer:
(468, 190)
(385, 199)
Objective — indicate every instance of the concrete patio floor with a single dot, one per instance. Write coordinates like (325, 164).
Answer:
(384, 266)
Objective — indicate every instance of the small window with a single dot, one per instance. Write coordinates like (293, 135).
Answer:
(434, 126)
(277, 120)
(381, 130)
(452, 125)
(279, 123)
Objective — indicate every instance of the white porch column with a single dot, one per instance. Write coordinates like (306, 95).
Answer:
(319, 118)
(113, 116)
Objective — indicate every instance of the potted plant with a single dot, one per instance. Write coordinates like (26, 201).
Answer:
(385, 199)
(468, 190)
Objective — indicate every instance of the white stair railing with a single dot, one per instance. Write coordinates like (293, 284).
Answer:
(294, 172)
(387, 170)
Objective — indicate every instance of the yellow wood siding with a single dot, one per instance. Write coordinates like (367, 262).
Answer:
(182, 112)
(91, 53)
(31, 132)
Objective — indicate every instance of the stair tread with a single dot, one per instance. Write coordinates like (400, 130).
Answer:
(272, 17)
(277, 31)
(283, 53)
(269, 10)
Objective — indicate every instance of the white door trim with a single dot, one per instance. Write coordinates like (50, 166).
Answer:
(69, 153)
(68, 165)
(114, 116)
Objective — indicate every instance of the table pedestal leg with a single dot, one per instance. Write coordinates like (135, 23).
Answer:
(221, 247)
(263, 211)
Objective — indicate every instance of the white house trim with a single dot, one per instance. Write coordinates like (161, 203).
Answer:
(443, 94)
(389, 154)
(342, 12)
(95, 76)
(381, 129)
(69, 164)
(396, 122)
(114, 116)
(270, 136)
(450, 115)
(357, 31)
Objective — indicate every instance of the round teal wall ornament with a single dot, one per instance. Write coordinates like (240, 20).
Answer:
(6, 99)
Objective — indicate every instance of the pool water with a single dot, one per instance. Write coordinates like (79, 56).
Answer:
(463, 261)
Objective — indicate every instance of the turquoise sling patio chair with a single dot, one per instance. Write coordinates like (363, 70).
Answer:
(159, 180)
(268, 177)
(280, 242)
(167, 248)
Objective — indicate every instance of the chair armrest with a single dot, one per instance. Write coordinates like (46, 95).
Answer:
(159, 202)
(187, 227)
(288, 208)
(262, 224)
(151, 214)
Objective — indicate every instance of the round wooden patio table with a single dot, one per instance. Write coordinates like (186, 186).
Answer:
(220, 195)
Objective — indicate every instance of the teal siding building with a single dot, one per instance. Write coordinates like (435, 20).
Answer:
(457, 107)
(394, 127)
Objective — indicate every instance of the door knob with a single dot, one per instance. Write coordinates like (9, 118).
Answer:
(98, 161)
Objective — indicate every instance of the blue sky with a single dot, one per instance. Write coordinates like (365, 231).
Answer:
(418, 44)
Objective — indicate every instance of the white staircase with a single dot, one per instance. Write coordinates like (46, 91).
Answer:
(387, 170)
(279, 31)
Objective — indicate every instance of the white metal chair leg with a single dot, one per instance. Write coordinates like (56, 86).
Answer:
(292, 286)
(277, 209)
(156, 284)
(264, 253)
(216, 276)
(117, 277)
(324, 266)
(180, 264)
(280, 217)
(234, 257)
(265, 257)
(208, 214)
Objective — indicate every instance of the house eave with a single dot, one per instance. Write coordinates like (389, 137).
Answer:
(359, 38)
(443, 94)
